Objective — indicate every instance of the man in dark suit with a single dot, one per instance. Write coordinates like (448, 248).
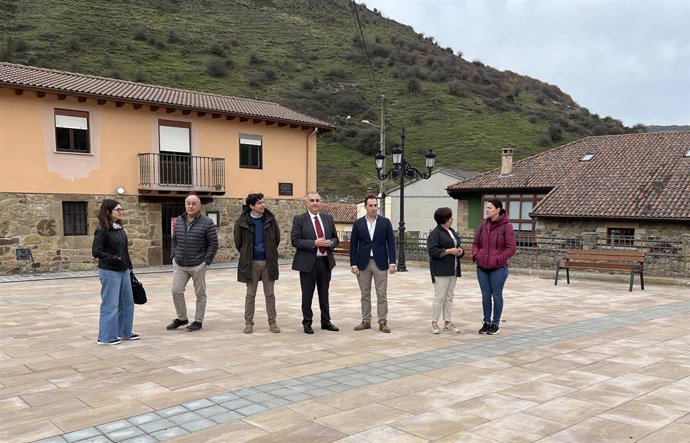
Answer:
(372, 255)
(314, 236)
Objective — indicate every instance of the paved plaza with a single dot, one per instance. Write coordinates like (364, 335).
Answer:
(585, 362)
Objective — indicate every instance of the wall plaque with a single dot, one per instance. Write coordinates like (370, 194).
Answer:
(284, 188)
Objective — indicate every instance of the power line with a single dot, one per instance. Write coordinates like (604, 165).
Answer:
(360, 32)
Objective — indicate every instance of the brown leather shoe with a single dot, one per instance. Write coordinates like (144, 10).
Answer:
(362, 326)
(384, 328)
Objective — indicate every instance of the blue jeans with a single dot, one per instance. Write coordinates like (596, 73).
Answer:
(117, 307)
(491, 284)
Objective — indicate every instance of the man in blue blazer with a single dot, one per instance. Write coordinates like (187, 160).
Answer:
(372, 255)
(314, 236)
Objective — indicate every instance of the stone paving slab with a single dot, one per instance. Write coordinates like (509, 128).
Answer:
(571, 363)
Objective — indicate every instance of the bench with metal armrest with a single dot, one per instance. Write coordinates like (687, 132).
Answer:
(612, 260)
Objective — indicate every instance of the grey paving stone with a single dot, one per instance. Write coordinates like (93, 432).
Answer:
(156, 426)
(145, 418)
(170, 412)
(185, 418)
(355, 383)
(283, 392)
(124, 434)
(81, 434)
(287, 383)
(389, 376)
(246, 392)
(269, 387)
(213, 410)
(96, 439)
(236, 404)
(113, 426)
(251, 410)
(372, 379)
(275, 403)
(223, 398)
(339, 388)
(319, 392)
(309, 379)
(297, 397)
(169, 433)
(198, 404)
(224, 418)
(198, 425)
(141, 439)
(57, 439)
(259, 397)
(297, 388)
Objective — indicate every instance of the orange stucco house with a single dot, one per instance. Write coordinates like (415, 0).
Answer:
(67, 141)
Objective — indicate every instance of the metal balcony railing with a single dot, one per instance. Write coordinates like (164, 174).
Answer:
(180, 172)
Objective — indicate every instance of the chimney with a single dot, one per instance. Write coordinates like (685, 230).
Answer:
(506, 162)
(370, 192)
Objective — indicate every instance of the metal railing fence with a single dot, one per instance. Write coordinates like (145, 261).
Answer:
(663, 256)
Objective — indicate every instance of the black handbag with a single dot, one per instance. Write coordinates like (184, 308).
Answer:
(138, 291)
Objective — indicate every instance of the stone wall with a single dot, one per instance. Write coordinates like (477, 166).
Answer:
(643, 228)
(34, 221)
(230, 209)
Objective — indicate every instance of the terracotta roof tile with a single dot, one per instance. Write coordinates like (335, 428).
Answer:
(341, 212)
(49, 80)
(631, 176)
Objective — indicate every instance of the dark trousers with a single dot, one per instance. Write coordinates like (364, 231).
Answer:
(318, 278)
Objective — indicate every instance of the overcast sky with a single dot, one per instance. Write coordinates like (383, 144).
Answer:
(628, 59)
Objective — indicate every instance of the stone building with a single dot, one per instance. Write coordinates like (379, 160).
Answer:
(618, 191)
(67, 141)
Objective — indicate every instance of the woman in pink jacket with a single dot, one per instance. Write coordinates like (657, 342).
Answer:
(493, 245)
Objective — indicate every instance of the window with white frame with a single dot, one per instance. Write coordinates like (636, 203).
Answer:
(175, 146)
(251, 151)
(518, 208)
(72, 131)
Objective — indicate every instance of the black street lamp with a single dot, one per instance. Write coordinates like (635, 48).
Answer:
(403, 169)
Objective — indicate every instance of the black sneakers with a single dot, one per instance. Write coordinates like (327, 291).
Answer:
(493, 329)
(486, 327)
(194, 326)
(134, 336)
(176, 324)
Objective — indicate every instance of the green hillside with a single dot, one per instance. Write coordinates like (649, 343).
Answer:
(309, 55)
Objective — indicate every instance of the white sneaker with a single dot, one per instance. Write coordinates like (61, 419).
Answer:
(451, 328)
(435, 329)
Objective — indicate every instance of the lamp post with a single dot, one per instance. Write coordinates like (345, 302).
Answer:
(403, 169)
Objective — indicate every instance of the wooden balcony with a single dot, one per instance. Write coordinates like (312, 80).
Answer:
(164, 173)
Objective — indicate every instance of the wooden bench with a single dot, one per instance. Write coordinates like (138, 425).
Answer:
(603, 260)
(343, 248)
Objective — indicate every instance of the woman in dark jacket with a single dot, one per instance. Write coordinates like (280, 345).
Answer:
(114, 265)
(493, 245)
(444, 250)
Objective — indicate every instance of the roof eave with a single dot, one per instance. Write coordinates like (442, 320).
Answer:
(611, 217)
(322, 126)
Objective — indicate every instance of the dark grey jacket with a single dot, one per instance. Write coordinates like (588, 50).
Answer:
(110, 247)
(195, 242)
(244, 242)
(303, 237)
(439, 264)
